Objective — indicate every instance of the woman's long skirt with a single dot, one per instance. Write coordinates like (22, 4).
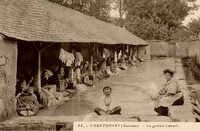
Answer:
(163, 103)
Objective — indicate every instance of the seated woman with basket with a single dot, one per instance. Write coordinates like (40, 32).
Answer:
(27, 103)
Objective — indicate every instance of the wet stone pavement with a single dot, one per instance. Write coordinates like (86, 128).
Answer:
(129, 89)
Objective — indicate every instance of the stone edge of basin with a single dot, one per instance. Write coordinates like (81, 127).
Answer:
(182, 113)
(40, 123)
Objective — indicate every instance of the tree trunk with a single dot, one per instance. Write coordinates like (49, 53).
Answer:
(120, 13)
(91, 5)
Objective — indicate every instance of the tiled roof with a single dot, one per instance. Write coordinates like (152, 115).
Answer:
(41, 20)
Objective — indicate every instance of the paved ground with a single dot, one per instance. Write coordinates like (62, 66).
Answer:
(129, 88)
(182, 113)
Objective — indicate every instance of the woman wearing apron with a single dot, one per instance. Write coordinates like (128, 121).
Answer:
(170, 94)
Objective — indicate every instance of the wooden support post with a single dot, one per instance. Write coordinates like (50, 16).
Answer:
(115, 54)
(131, 53)
(123, 54)
(97, 49)
(127, 48)
(71, 73)
(37, 81)
(91, 64)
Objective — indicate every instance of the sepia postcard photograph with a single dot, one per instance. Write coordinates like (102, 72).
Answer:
(81, 65)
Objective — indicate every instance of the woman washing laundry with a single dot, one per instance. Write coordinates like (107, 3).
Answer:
(83, 75)
(169, 95)
(46, 78)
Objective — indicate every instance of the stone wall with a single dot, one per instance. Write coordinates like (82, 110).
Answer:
(8, 70)
(188, 48)
(194, 50)
(182, 49)
(145, 52)
(159, 48)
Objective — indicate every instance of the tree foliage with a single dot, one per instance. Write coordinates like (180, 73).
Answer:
(194, 27)
(97, 8)
(156, 19)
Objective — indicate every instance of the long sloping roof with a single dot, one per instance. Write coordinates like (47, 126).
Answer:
(41, 20)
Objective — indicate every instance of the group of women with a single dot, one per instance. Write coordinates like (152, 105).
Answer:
(70, 76)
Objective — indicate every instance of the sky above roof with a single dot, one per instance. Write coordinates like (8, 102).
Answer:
(193, 15)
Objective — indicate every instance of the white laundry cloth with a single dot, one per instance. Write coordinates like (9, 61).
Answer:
(66, 57)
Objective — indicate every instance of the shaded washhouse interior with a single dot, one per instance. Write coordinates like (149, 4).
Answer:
(29, 27)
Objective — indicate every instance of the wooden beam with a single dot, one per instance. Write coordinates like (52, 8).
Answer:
(46, 47)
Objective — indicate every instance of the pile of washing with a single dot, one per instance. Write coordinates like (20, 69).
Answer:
(50, 97)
